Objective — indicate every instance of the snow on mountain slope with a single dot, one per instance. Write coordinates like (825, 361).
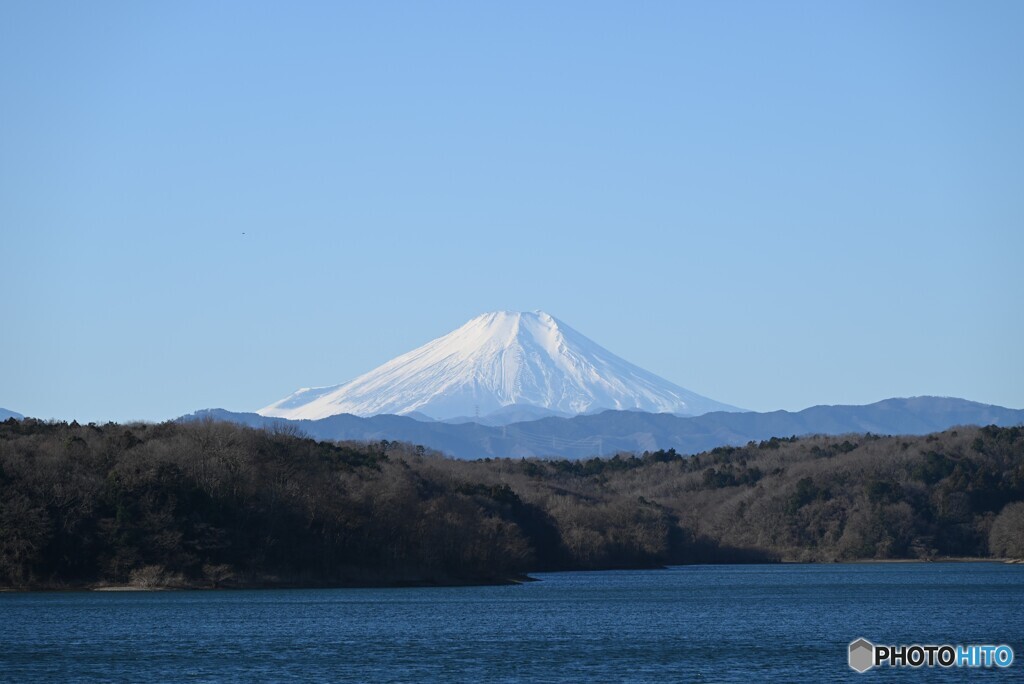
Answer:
(497, 360)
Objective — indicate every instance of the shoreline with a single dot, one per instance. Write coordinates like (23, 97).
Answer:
(488, 582)
(951, 559)
(268, 585)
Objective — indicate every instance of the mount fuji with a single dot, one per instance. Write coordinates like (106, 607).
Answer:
(501, 363)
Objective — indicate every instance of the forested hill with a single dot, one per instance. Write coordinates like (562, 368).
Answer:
(218, 504)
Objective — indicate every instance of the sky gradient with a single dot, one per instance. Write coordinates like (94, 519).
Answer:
(775, 205)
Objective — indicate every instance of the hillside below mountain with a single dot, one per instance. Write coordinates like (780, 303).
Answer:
(212, 504)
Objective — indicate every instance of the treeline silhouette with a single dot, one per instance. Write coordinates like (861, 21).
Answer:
(217, 504)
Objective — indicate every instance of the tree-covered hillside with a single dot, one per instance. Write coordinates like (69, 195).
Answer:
(217, 504)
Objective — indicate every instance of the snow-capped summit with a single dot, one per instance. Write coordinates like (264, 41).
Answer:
(494, 361)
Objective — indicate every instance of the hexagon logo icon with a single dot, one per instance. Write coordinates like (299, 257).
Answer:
(862, 655)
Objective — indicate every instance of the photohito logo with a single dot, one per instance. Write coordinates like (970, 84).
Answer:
(865, 655)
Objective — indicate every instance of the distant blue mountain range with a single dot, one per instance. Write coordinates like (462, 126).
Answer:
(5, 414)
(611, 432)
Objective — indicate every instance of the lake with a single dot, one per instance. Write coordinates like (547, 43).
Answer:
(692, 623)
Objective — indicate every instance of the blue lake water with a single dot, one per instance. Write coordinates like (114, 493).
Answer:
(694, 623)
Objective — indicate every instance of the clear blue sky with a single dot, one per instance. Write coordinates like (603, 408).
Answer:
(773, 204)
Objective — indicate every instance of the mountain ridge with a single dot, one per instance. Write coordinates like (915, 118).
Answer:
(609, 432)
